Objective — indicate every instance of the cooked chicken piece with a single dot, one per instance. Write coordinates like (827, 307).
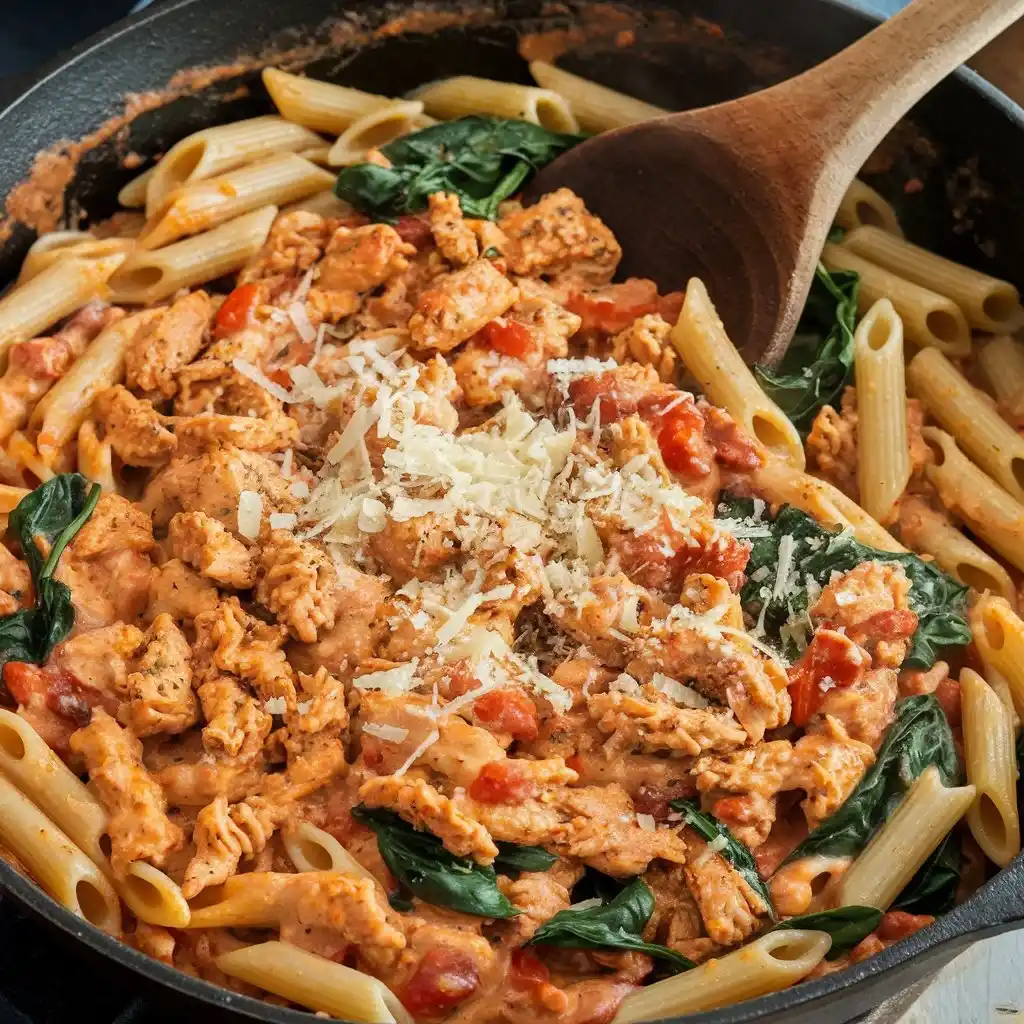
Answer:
(115, 525)
(359, 259)
(458, 304)
(236, 723)
(210, 432)
(160, 697)
(676, 921)
(168, 343)
(204, 544)
(865, 709)
(101, 658)
(830, 764)
(15, 583)
(179, 591)
(452, 235)
(417, 548)
(538, 895)
(296, 242)
(139, 828)
(133, 428)
(297, 582)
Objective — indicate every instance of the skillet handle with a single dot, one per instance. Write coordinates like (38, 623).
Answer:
(999, 907)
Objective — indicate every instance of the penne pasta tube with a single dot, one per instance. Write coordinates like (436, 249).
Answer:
(597, 108)
(24, 454)
(988, 303)
(977, 499)
(884, 451)
(325, 203)
(61, 869)
(133, 195)
(316, 154)
(779, 483)
(50, 242)
(930, 532)
(374, 130)
(991, 762)
(863, 205)
(989, 441)
(700, 339)
(203, 205)
(95, 458)
(316, 983)
(88, 248)
(772, 962)
(67, 285)
(243, 901)
(1002, 690)
(321, 106)
(999, 636)
(929, 320)
(215, 150)
(312, 849)
(30, 764)
(465, 94)
(1002, 362)
(923, 819)
(153, 275)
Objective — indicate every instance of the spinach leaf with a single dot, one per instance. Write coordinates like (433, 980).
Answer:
(846, 925)
(421, 863)
(54, 512)
(483, 160)
(710, 828)
(920, 736)
(618, 924)
(933, 889)
(513, 859)
(819, 362)
(817, 553)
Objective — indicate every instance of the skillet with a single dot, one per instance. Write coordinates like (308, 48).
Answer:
(955, 170)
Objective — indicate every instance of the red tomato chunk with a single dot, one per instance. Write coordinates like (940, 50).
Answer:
(502, 782)
(898, 924)
(236, 310)
(831, 659)
(508, 711)
(507, 337)
(444, 978)
(890, 625)
(414, 230)
(63, 694)
(527, 969)
(682, 443)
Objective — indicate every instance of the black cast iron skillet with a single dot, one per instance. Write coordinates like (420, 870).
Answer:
(964, 145)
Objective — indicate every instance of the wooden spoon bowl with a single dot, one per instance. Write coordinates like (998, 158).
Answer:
(743, 194)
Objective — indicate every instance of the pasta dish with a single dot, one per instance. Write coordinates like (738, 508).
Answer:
(403, 619)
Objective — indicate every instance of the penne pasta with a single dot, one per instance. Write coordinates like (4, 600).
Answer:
(700, 339)
(325, 203)
(10, 496)
(991, 763)
(243, 901)
(313, 982)
(133, 195)
(457, 97)
(1002, 362)
(49, 296)
(321, 106)
(989, 441)
(95, 458)
(62, 870)
(1001, 688)
(213, 151)
(987, 509)
(374, 130)
(929, 320)
(988, 303)
(884, 463)
(84, 247)
(596, 107)
(26, 456)
(312, 849)
(205, 204)
(862, 205)
(923, 819)
(769, 963)
(60, 413)
(43, 777)
(998, 634)
(930, 532)
(780, 483)
(153, 275)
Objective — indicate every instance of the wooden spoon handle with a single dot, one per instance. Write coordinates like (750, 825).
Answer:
(854, 98)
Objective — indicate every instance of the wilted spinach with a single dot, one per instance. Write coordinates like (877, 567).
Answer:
(512, 859)
(710, 828)
(932, 890)
(846, 925)
(938, 599)
(920, 736)
(483, 160)
(54, 512)
(617, 924)
(819, 361)
(426, 869)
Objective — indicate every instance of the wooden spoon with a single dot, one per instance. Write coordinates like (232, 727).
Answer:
(742, 194)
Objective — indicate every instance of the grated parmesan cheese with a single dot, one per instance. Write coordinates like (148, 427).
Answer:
(300, 318)
(676, 691)
(250, 514)
(594, 901)
(388, 733)
(257, 376)
(282, 520)
(275, 706)
(647, 822)
(392, 681)
(429, 740)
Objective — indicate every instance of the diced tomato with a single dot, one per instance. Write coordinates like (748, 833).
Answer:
(831, 659)
(235, 311)
(372, 750)
(682, 442)
(502, 782)
(443, 979)
(510, 711)
(622, 391)
(726, 558)
(414, 230)
(947, 693)
(890, 625)
(61, 691)
(575, 762)
(614, 308)
(736, 810)
(733, 449)
(527, 969)
(507, 337)
(898, 924)
(656, 800)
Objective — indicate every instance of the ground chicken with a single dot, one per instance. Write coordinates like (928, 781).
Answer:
(453, 237)
(204, 544)
(236, 723)
(179, 591)
(133, 428)
(168, 343)
(359, 259)
(297, 582)
(295, 243)
(212, 431)
(160, 697)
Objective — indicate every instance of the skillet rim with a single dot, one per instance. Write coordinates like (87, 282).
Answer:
(950, 934)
